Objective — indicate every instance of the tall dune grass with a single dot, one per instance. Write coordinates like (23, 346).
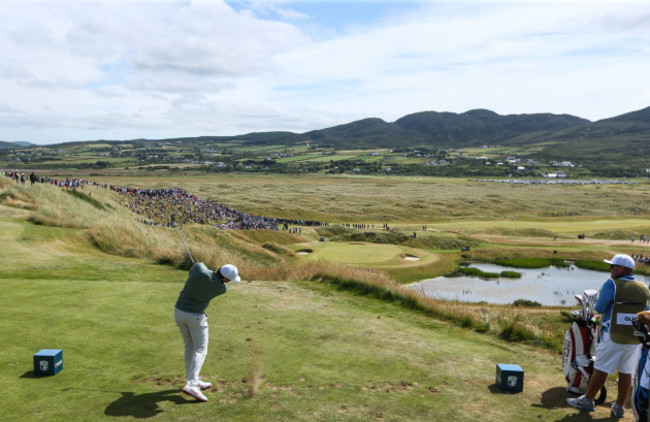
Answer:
(5, 183)
(115, 230)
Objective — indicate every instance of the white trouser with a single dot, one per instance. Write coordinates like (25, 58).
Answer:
(194, 328)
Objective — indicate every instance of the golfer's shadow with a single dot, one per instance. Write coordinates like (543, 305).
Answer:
(556, 398)
(553, 398)
(142, 406)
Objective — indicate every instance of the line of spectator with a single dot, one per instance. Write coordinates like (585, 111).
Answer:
(172, 206)
(642, 259)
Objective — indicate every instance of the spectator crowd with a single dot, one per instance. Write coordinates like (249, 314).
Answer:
(171, 206)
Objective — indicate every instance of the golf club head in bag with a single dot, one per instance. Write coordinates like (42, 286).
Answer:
(579, 346)
(588, 303)
(578, 312)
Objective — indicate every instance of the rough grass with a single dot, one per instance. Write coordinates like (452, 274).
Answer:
(348, 199)
(53, 238)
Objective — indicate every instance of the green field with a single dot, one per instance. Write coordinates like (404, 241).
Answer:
(321, 332)
(367, 254)
(279, 351)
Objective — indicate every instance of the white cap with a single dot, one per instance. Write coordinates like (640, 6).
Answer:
(230, 272)
(622, 260)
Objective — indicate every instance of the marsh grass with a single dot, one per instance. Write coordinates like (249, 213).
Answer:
(477, 272)
(532, 262)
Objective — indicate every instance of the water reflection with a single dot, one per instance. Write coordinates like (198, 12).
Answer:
(550, 286)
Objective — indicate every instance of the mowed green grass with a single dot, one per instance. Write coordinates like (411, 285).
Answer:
(560, 226)
(279, 351)
(368, 254)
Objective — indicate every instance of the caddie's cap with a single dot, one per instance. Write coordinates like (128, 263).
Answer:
(230, 272)
(622, 260)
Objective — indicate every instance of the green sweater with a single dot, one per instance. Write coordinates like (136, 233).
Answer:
(200, 288)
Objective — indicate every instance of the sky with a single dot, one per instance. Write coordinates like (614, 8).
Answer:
(121, 69)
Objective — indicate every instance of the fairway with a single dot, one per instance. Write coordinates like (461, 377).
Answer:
(570, 227)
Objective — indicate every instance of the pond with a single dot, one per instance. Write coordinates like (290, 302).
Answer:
(550, 286)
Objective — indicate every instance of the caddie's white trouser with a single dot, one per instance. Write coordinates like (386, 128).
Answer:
(194, 329)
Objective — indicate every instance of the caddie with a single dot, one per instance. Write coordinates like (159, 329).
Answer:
(620, 299)
(201, 287)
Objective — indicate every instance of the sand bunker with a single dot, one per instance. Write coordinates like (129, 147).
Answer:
(409, 257)
(304, 252)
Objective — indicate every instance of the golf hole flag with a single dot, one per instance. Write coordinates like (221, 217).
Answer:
(48, 362)
(510, 378)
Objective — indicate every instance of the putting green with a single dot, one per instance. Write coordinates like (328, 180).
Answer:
(372, 254)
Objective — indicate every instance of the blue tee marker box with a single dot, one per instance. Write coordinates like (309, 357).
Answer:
(510, 378)
(48, 362)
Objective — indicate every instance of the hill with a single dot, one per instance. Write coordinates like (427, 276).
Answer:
(18, 144)
(626, 136)
(4, 144)
(443, 130)
(477, 143)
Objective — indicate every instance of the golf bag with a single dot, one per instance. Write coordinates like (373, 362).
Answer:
(579, 348)
(641, 381)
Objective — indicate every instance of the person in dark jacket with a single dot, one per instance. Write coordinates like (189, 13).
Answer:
(201, 287)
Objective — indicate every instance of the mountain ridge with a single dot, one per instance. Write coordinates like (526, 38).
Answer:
(558, 134)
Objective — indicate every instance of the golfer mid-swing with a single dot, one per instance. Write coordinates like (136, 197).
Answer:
(201, 286)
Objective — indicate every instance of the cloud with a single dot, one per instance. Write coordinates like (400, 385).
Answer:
(146, 68)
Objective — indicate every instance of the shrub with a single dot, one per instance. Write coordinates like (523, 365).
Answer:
(477, 273)
(513, 331)
(592, 265)
(510, 274)
(527, 303)
(440, 242)
(531, 262)
(334, 230)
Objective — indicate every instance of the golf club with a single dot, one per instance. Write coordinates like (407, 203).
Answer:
(188, 249)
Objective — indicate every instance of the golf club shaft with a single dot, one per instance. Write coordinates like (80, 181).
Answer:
(186, 248)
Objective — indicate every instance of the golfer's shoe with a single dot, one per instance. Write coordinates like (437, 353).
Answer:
(204, 385)
(618, 411)
(582, 403)
(194, 392)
